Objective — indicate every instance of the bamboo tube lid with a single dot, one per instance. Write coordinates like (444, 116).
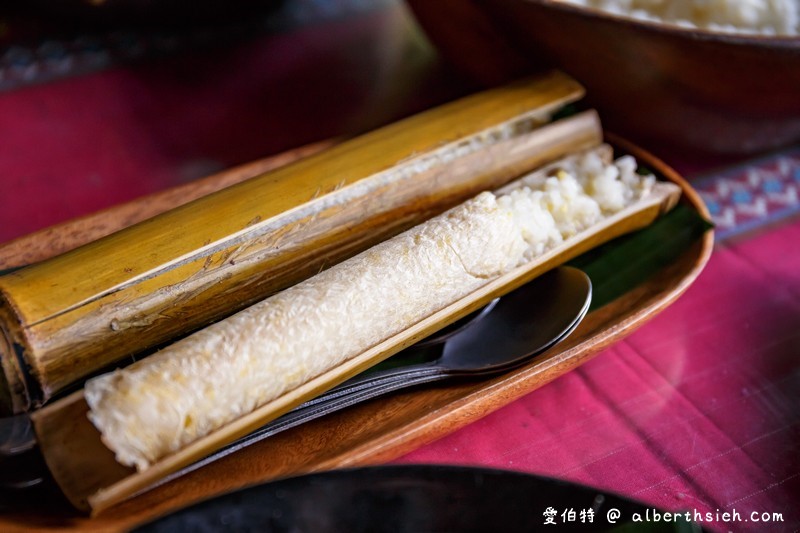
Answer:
(77, 313)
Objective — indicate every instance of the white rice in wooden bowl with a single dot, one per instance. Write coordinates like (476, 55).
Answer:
(765, 17)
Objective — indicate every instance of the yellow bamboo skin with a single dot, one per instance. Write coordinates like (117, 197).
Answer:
(72, 315)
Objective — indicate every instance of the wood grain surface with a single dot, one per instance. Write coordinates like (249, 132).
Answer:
(386, 428)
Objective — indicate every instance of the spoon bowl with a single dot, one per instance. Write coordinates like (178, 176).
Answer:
(552, 307)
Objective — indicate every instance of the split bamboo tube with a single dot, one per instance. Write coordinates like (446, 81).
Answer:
(65, 318)
(90, 477)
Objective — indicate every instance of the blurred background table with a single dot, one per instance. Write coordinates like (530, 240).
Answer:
(698, 410)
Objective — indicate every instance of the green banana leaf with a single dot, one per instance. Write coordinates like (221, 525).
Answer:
(628, 261)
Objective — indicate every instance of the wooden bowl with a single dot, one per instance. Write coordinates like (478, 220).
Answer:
(708, 91)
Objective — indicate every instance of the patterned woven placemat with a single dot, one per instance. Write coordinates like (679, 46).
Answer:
(753, 194)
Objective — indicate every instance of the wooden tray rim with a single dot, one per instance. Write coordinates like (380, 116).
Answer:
(473, 406)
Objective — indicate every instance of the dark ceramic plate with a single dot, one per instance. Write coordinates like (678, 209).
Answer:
(414, 498)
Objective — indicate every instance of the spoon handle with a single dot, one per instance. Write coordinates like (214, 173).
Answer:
(366, 391)
(306, 413)
(372, 380)
(376, 378)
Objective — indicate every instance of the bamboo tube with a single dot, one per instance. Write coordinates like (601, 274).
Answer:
(92, 479)
(67, 317)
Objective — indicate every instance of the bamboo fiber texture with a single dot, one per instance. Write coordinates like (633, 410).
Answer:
(65, 318)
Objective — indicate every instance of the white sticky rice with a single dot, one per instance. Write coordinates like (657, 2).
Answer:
(765, 17)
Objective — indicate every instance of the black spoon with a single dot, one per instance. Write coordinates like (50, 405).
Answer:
(521, 325)
(526, 322)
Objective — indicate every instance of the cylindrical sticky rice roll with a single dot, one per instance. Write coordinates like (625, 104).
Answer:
(216, 375)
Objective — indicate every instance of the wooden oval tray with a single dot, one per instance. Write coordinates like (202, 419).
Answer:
(371, 433)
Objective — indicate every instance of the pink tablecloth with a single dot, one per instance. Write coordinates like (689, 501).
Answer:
(698, 410)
